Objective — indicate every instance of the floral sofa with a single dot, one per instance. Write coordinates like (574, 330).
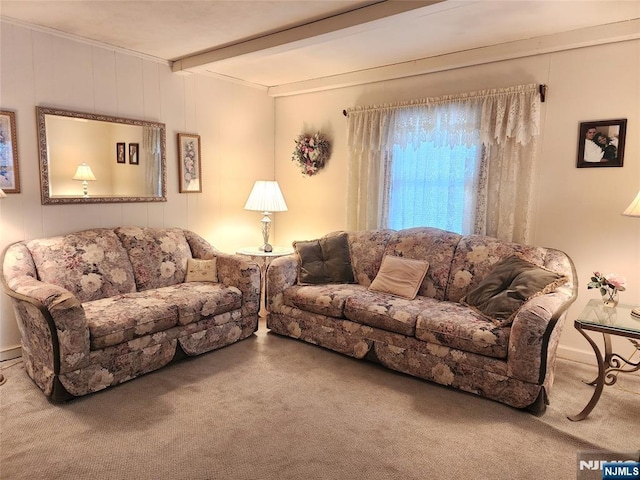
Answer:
(438, 335)
(102, 306)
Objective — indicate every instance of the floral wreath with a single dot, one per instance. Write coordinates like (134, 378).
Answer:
(311, 153)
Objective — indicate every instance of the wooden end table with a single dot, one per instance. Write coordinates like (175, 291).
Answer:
(609, 321)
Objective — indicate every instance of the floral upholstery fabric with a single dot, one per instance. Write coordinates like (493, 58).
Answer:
(91, 264)
(430, 244)
(433, 336)
(106, 341)
(323, 299)
(158, 255)
(454, 325)
(387, 312)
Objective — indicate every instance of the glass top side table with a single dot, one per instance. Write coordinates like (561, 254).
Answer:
(609, 321)
(264, 259)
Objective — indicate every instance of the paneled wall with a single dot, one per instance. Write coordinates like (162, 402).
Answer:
(235, 123)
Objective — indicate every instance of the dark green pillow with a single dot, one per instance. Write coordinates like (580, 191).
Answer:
(512, 282)
(326, 260)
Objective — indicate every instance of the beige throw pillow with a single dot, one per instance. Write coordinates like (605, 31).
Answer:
(199, 270)
(400, 276)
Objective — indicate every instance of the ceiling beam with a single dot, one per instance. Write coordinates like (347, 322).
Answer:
(301, 34)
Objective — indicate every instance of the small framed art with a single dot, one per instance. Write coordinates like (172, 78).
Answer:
(9, 171)
(121, 156)
(189, 163)
(601, 143)
(134, 158)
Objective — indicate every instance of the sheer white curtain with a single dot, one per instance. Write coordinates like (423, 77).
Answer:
(489, 133)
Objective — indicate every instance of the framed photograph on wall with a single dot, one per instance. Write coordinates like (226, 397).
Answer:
(190, 175)
(601, 143)
(134, 159)
(121, 155)
(9, 171)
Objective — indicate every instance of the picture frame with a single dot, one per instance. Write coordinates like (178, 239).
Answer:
(189, 163)
(121, 155)
(601, 143)
(9, 168)
(134, 149)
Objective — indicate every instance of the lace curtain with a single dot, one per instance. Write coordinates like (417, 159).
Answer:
(504, 123)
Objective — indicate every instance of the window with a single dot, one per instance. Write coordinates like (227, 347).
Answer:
(434, 185)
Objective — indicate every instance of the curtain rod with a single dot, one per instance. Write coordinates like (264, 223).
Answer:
(542, 89)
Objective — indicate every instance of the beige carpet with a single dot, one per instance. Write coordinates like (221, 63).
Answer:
(276, 408)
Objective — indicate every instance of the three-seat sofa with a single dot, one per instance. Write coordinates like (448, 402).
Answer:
(446, 333)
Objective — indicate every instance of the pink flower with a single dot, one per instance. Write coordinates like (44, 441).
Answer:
(616, 281)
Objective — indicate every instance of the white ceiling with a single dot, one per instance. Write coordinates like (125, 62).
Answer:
(279, 43)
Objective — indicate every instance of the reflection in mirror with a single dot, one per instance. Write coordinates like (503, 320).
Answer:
(126, 158)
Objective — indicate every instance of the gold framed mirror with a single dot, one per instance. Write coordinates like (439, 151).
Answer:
(92, 158)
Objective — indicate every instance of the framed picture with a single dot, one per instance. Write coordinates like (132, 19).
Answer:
(133, 153)
(121, 156)
(189, 163)
(9, 172)
(601, 143)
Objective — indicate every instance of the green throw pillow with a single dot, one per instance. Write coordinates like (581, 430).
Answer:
(512, 282)
(326, 260)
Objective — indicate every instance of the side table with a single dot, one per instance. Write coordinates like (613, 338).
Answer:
(609, 321)
(264, 259)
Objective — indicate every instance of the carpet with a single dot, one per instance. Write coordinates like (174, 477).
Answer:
(275, 408)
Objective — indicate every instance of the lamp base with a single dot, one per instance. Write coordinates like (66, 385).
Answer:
(636, 312)
(266, 248)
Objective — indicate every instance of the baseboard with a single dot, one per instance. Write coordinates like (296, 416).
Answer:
(10, 353)
(581, 356)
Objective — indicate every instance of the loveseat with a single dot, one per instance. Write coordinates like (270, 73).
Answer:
(445, 334)
(102, 306)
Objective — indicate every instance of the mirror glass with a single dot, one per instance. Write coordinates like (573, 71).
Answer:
(120, 159)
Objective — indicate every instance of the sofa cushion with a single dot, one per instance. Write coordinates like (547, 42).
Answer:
(326, 300)
(121, 318)
(124, 317)
(326, 260)
(400, 276)
(386, 311)
(512, 282)
(199, 270)
(159, 255)
(367, 249)
(92, 264)
(454, 325)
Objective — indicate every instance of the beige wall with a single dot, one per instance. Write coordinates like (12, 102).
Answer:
(578, 210)
(235, 123)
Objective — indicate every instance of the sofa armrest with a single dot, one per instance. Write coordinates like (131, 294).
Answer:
(535, 335)
(281, 274)
(52, 323)
(244, 274)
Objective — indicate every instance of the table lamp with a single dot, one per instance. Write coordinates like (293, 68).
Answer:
(84, 173)
(633, 210)
(266, 197)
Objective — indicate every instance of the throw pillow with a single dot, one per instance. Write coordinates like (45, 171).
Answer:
(199, 270)
(326, 260)
(512, 282)
(400, 276)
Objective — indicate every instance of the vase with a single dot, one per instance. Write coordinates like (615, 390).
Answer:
(610, 297)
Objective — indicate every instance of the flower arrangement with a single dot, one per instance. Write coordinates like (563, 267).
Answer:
(311, 153)
(609, 286)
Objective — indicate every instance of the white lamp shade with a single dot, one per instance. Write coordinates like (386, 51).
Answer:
(83, 172)
(633, 210)
(266, 197)
(2, 194)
